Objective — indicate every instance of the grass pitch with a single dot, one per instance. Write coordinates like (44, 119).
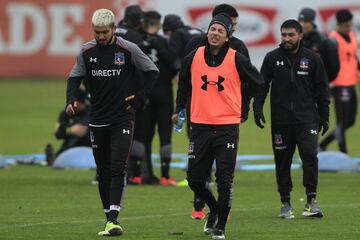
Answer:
(29, 110)
(43, 203)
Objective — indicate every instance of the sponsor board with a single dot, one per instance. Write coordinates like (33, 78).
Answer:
(254, 25)
(43, 37)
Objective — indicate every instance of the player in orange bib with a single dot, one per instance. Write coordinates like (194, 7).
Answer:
(213, 75)
(343, 87)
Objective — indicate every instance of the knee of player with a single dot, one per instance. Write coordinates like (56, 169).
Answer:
(165, 151)
(103, 174)
(309, 161)
(224, 186)
(196, 184)
(138, 149)
(118, 170)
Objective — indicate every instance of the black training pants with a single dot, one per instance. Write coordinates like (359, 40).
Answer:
(346, 109)
(209, 143)
(161, 108)
(111, 149)
(284, 140)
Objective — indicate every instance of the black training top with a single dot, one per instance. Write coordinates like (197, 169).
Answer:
(111, 73)
(299, 86)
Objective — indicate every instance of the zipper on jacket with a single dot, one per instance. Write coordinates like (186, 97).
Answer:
(292, 81)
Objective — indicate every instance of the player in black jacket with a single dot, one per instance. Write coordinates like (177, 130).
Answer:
(161, 104)
(129, 28)
(320, 43)
(108, 66)
(179, 34)
(159, 109)
(299, 111)
(74, 130)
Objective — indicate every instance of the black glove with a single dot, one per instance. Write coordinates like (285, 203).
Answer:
(259, 118)
(323, 127)
(245, 113)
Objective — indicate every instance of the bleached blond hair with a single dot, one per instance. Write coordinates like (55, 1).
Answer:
(103, 17)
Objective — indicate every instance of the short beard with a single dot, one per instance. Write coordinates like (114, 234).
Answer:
(293, 48)
(107, 44)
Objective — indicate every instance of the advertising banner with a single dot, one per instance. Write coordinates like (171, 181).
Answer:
(43, 37)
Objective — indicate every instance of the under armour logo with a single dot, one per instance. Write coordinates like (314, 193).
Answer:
(279, 63)
(218, 83)
(313, 131)
(93, 59)
(230, 145)
(126, 131)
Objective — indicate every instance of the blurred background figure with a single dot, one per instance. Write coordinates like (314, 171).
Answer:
(129, 28)
(73, 130)
(319, 42)
(179, 34)
(161, 105)
(343, 86)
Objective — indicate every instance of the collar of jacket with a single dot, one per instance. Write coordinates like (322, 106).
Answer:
(215, 60)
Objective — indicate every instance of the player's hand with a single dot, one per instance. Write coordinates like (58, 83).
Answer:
(259, 118)
(70, 108)
(130, 100)
(174, 118)
(244, 117)
(323, 127)
(78, 130)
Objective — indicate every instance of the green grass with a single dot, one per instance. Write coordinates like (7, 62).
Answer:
(29, 110)
(43, 203)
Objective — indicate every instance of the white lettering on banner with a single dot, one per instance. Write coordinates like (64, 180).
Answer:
(106, 73)
(252, 25)
(18, 13)
(63, 39)
(60, 30)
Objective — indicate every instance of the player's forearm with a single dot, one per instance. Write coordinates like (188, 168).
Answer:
(73, 83)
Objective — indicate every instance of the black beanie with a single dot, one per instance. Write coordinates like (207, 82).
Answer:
(172, 22)
(343, 15)
(133, 13)
(224, 20)
(307, 14)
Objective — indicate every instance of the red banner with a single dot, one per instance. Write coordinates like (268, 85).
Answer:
(42, 38)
